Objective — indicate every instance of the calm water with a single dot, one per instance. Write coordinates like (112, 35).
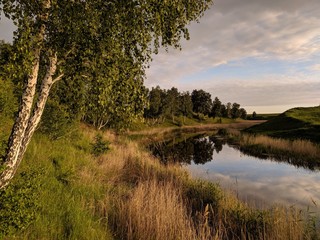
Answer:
(258, 181)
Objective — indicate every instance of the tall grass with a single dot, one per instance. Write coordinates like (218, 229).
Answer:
(127, 194)
(156, 210)
(303, 149)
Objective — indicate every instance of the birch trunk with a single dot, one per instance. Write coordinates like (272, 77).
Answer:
(34, 120)
(20, 126)
(25, 123)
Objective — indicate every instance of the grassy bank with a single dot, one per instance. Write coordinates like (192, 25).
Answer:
(298, 152)
(296, 123)
(65, 191)
(152, 133)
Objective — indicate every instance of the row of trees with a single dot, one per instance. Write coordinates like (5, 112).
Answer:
(171, 103)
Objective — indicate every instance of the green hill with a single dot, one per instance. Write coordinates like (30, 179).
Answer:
(294, 123)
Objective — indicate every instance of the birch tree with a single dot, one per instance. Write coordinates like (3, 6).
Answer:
(60, 37)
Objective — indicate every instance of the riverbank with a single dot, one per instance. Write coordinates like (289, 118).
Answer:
(298, 152)
(126, 193)
(151, 134)
(296, 123)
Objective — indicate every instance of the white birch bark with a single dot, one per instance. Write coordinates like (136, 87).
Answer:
(21, 124)
(25, 123)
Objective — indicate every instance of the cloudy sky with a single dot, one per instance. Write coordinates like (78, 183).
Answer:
(263, 54)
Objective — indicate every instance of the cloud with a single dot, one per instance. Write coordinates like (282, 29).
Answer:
(315, 67)
(232, 31)
(288, 187)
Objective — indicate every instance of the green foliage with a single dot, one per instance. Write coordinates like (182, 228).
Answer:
(201, 193)
(100, 146)
(8, 101)
(235, 110)
(202, 102)
(19, 203)
(155, 102)
(243, 113)
(120, 38)
(216, 108)
(66, 203)
(56, 120)
(171, 102)
(169, 105)
(186, 104)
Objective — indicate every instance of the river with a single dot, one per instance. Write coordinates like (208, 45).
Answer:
(261, 182)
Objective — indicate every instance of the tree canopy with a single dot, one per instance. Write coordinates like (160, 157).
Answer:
(95, 41)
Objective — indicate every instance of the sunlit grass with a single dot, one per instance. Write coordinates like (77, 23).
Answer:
(298, 148)
(128, 194)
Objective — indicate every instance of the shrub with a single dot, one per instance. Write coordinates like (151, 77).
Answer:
(19, 203)
(56, 120)
(100, 146)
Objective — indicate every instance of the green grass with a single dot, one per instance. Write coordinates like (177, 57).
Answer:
(55, 198)
(295, 123)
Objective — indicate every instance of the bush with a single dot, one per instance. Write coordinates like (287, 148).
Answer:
(100, 146)
(19, 203)
(56, 120)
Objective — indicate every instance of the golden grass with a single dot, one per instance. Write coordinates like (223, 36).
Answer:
(151, 203)
(156, 210)
(158, 134)
(299, 147)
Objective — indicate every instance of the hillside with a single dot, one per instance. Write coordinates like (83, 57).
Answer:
(294, 123)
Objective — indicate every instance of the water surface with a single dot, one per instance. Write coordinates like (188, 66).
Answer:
(259, 181)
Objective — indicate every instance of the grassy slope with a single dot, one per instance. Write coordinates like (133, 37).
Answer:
(295, 123)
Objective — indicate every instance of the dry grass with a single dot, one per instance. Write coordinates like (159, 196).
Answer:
(147, 200)
(156, 211)
(300, 148)
(153, 201)
(158, 134)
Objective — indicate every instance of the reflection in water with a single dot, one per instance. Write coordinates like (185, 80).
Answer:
(184, 151)
(253, 179)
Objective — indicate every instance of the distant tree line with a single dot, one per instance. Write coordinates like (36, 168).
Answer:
(172, 103)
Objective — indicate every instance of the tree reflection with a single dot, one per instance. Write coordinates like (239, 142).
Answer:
(198, 149)
(203, 150)
(218, 143)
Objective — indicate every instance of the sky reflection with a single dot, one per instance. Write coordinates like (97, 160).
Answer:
(260, 181)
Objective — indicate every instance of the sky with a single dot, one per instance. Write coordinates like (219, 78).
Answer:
(262, 54)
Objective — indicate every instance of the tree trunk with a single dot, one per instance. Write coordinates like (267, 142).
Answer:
(25, 123)
(34, 120)
(18, 132)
